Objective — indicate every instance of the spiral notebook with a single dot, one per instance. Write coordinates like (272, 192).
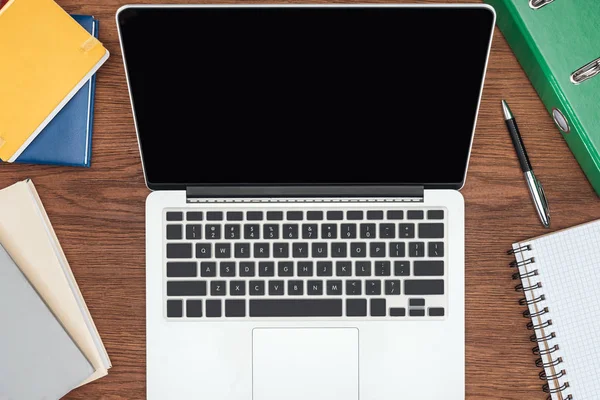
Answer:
(560, 279)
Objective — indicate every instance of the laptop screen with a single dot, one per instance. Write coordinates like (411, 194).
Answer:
(305, 95)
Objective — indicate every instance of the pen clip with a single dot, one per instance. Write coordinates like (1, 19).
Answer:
(542, 193)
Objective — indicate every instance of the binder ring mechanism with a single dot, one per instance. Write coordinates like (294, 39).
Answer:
(586, 72)
(535, 4)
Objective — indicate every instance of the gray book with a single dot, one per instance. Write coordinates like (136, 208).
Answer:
(38, 358)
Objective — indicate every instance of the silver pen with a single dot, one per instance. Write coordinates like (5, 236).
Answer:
(535, 187)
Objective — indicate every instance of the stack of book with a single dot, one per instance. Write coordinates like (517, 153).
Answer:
(49, 344)
(47, 83)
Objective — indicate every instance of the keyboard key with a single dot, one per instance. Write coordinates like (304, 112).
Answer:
(374, 215)
(242, 250)
(276, 288)
(348, 231)
(416, 302)
(436, 249)
(235, 216)
(397, 249)
(254, 215)
(194, 216)
(387, 231)
(416, 249)
(305, 268)
(423, 286)
(335, 215)
(309, 231)
(354, 215)
(174, 216)
(395, 214)
(208, 269)
(353, 288)
(329, 231)
(402, 268)
(398, 312)
(174, 308)
(186, 288)
(436, 312)
(378, 307)
(296, 308)
(261, 250)
(290, 231)
(295, 288)
(431, 231)
(271, 231)
(295, 215)
(358, 249)
(213, 232)
(367, 231)
(377, 249)
(218, 288)
(343, 268)
(193, 308)
(416, 313)
(382, 268)
(429, 268)
(179, 250)
(406, 231)
(334, 288)
(203, 250)
(324, 268)
(181, 270)
(227, 269)
(274, 215)
(251, 231)
(257, 288)
(356, 307)
(363, 268)
(247, 268)
(281, 250)
(435, 214)
(223, 250)
(314, 288)
(285, 268)
(214, 216)
(266, 268)
(392, 287)
(314, 215)
(300, 250)
(193, 232)
(174, 232)
(373, 288)
(319, 250)
(237, 288)
(233, 231)
(235, 308)
(213, 308)
(339, 250)
(415, 214)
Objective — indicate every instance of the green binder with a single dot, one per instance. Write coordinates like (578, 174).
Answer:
(557, 43)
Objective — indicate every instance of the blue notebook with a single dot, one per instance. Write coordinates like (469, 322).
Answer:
(67, 139)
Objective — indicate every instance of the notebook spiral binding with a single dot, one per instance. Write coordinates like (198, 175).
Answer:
(545, 348)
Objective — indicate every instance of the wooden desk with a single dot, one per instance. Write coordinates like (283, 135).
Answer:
(98, 215)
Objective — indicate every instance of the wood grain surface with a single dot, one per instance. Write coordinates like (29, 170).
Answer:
(98, 215)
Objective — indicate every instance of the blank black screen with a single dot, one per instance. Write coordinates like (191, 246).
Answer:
(305, 95)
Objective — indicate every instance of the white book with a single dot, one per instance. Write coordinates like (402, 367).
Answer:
(560, 278)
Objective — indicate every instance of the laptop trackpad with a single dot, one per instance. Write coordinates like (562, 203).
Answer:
(300, 364)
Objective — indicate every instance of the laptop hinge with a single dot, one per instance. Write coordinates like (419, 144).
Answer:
(299, 194)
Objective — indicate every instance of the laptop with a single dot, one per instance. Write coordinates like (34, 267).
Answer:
(305, 230)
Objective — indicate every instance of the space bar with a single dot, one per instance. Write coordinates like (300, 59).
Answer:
(296, 308)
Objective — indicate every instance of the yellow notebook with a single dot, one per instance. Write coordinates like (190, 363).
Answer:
(46, 57)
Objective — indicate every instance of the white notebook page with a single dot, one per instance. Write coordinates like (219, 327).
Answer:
(568, 264)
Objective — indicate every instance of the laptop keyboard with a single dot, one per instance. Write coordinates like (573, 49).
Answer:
(237, 263)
